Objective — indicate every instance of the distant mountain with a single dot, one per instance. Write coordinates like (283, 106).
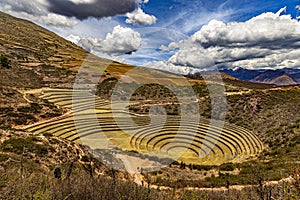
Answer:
(242, 74)
(295, 75)
(284, 80)
(286, 76)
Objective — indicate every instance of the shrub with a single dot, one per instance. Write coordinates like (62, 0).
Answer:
(47, 135)
(4, 61)
(85, 158)
(227, 167)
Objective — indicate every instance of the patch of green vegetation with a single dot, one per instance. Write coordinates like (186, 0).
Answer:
(105, 88)
(21, 118)
(21, 145)
(200, 89)
(249, 173)
(227, 167)
(153, 92)
(271, 114)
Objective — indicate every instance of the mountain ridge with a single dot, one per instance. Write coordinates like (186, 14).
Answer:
(281, 77)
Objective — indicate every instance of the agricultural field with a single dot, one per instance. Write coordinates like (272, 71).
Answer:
(99, 124)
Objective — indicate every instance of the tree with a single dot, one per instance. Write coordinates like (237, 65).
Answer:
(4, 61)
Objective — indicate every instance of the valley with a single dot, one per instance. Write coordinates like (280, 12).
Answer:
(77, 126)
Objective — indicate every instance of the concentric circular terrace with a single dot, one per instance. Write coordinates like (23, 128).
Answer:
(201, 142)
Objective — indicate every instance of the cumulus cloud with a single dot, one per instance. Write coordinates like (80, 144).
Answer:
(52, 19)
(120, 41)
(90, 43)
(35, 10)
(269, 41)
(73, 38)
(35, 7)
(264, 30)
(195, 57)
(140, 18)
(167, 66)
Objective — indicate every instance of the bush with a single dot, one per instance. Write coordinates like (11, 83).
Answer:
(4, 61)
(227, 167)
(85, 158)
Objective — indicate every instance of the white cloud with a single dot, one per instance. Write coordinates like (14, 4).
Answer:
(265, 28)
(195, 57)
(52, 19)
(166, 66)
(89, 28)
(140, 18)
(120, 41)
(90, 43)
(36, 11)
(269, 41)
(73, 38)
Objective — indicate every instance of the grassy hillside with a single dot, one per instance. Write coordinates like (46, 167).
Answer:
(25, 42)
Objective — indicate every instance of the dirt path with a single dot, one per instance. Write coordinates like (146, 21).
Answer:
(232, 187)
(45, 121)
(131, 165)
(238, 93)
(33, 91)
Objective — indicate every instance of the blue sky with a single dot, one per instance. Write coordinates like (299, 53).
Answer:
(145, 35)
